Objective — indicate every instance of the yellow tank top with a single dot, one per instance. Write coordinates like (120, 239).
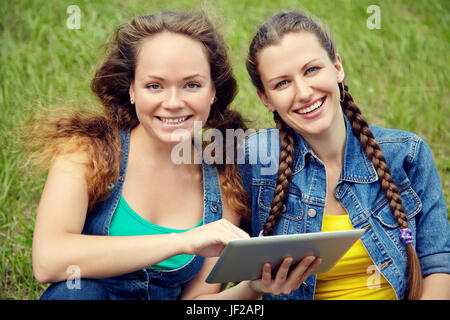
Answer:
(354, 277)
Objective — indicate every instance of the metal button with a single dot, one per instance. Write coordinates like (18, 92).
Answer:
(142, 276)
(214, 207)
(312, 213)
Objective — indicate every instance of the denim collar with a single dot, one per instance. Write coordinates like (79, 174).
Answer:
(356, 168)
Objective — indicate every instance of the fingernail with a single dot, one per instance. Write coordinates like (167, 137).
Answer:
(311, 259)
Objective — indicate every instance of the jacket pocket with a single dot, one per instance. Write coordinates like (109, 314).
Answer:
(411, 204)
(291, 216)
(386, 225)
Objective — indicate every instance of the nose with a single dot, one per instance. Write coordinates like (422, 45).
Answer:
(303, 91)
(173, 99)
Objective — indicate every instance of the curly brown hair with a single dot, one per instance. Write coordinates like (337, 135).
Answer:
(271, 33)
(96, 133)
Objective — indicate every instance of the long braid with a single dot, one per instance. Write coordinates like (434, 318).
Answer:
(362, 131)
(284, 175)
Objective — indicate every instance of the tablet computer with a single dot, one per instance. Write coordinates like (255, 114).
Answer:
(242, 259)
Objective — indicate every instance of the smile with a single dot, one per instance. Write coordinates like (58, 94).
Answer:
(178, 120)
(312, 107)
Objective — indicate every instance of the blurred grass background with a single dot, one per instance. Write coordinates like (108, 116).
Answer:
(398, 75)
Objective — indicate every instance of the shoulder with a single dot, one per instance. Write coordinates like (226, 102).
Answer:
(396, 144)
(253, 137)
(388, 135)
(262, 145)
(93, 161)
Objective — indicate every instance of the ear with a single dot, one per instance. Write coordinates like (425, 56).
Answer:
(213, 92)
(131, 90)
(340, 74)
(265, 101)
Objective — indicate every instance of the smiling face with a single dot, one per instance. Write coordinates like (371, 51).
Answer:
(172, 87)
(301, 83)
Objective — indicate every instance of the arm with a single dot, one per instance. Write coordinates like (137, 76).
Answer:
(284, 281)
(58, 242)
(436, 287)
(197, 286)
(433, 231)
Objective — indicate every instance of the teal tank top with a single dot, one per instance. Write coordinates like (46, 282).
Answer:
(126, 222)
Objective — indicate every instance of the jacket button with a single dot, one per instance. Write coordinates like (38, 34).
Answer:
(312, 213)
(214, 207)
(142, 276)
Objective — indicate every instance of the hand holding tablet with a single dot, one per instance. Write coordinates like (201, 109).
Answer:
(242, 259)
(287, 277)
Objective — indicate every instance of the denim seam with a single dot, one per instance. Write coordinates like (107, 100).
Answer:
(379, 244)
(264, 182)
(125, 147)
(396, 139)
(413, 153)
(362, 215)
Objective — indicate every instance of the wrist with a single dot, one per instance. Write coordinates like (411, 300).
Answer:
(252, 290)
(179, 242)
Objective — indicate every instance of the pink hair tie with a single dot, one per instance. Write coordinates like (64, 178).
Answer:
(406, 236)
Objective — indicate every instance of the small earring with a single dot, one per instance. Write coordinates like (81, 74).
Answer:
(132, 100)
(213, 100)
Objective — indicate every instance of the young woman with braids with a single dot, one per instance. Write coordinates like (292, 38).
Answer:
(336, 172)
(117, 217)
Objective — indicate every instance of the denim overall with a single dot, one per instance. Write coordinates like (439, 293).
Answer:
(146, 283)
(358, 190)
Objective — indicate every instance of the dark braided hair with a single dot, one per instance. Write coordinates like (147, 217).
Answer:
(361, 130)
(271, 33)
(284, 174)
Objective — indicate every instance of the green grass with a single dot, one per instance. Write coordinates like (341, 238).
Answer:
(399, 76)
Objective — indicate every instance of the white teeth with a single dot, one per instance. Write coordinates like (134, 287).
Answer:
(312, 107)
(173, 120)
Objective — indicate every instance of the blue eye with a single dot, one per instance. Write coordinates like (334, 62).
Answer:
(193, 85)
(153, 86)
(281, 84)
(312, 69)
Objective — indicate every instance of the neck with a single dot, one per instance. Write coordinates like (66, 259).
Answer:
(330, 145)
(157, 153)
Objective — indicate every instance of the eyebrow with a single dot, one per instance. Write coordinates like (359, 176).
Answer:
(284, 75)
(162, 79)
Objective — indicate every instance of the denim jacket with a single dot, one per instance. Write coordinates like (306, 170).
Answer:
(149, 283)
(358, 190)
